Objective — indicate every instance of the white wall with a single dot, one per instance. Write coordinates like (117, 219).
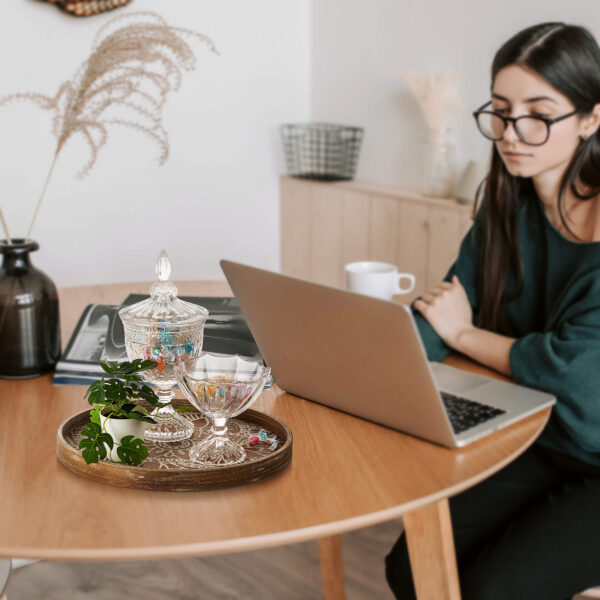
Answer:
(362, 47)
(282, 61)
(217, 195)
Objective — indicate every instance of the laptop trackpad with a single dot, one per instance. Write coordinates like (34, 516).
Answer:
(456, 381)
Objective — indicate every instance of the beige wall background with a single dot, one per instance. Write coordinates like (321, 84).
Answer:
(217, 195)
(282, 61)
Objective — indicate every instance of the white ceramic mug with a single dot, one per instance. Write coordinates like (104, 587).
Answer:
(377, 279)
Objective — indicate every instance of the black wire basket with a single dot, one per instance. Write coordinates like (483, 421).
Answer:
(321, 151)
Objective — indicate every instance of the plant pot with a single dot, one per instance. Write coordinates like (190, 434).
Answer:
(120, 428)
(29, 325)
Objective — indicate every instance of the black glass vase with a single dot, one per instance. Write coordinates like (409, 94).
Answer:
(29, 323)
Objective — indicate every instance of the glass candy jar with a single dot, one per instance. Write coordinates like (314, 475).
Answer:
(169, 331)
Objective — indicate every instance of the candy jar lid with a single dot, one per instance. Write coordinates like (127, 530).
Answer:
(163, 305)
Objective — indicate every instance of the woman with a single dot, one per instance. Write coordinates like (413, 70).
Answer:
(523, 298)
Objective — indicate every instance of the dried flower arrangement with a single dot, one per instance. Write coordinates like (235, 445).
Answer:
(136, 60)
(438, 99)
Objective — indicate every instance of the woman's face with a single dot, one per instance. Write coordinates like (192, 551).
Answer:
(519, 91)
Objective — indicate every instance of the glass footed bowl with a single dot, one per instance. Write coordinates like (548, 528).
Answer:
(220, 387)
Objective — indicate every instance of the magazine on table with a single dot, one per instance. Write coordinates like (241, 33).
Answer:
(99, 335)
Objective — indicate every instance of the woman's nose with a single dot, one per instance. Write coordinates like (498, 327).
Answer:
(510, 134)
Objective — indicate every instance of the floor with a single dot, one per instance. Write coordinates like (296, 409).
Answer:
(287, 572)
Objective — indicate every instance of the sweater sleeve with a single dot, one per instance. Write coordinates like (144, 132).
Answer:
(565, 362)
(465, 268)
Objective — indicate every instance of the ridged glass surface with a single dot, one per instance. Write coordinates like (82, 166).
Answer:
(220, 387)
(169, 331)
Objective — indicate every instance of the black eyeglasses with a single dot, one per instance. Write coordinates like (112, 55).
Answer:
(530, 129)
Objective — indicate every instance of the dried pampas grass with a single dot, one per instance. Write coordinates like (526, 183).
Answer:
(136, 60)
(438, 98)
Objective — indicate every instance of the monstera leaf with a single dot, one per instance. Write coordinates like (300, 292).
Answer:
(93, 442)
(132, 450)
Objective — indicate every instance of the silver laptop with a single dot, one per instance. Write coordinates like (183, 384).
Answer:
(364, 356)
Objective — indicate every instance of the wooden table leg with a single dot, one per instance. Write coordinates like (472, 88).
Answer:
(332, 567)
(431, 550)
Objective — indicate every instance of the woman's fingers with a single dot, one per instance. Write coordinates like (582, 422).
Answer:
(420, 306)
(439, 290)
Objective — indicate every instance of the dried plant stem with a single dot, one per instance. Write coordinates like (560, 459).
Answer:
(37, 208)
(137, 59)
(5, 227)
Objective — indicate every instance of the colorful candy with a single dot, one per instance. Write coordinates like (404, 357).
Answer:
(263, 436)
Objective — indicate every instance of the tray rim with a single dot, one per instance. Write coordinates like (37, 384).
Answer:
(155, 479)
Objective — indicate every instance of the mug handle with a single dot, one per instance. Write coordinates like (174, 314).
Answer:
(411, 284)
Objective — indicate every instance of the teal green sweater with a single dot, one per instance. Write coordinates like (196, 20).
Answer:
(556, 320)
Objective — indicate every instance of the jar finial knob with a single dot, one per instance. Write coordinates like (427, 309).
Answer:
(163, 285)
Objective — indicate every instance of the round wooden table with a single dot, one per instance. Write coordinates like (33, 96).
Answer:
(345, 474)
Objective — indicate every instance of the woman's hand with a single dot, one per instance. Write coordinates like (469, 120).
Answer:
(448, 311)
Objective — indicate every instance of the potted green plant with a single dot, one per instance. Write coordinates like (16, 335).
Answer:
(119, 416)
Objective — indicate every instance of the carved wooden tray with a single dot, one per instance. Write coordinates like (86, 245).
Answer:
(168, 467)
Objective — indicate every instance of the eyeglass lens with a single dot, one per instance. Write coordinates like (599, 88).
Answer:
(529, 129)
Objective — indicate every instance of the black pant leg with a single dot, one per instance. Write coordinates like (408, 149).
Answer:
(479, 513)
(549, 552)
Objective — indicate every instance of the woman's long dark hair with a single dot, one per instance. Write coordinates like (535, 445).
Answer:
(568, 58)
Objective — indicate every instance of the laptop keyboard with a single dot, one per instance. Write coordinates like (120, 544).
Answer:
(464, 414)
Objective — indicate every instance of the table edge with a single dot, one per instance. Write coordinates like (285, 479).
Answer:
(292, 536)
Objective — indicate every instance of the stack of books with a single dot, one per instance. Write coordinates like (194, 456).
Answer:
(99, 335)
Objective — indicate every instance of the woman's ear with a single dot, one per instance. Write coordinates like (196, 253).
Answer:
(591, 123)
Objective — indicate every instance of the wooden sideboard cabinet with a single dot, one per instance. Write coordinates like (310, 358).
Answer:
(326, 225)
